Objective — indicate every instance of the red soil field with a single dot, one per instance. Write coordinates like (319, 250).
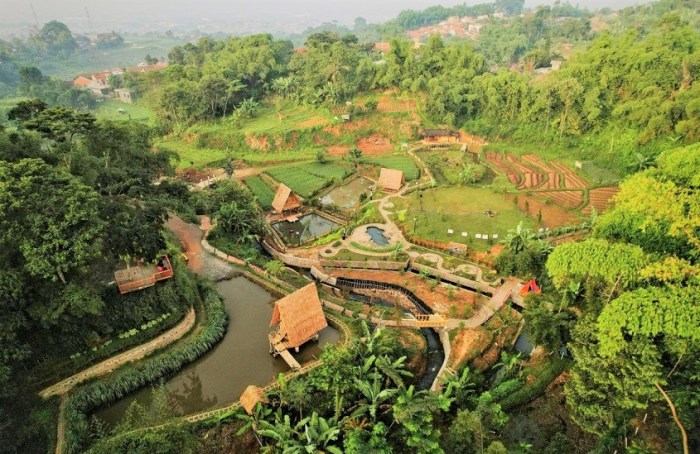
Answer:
(600, 198)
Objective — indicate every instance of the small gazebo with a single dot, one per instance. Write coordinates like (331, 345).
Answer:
(285, 200)
(391, 180)
(296, 319)
(250, 398)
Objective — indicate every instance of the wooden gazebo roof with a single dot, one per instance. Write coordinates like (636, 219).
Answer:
(390, 179)
(299, 316)
(285, 199)
(250, 398)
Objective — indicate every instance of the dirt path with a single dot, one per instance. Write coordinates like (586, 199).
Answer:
(198, 260)
(61, 430)
(115, 362)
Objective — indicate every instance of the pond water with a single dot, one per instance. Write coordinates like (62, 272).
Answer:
(347, 196)
(306, 228)
(377, 236)
(523, 344)
(242, 358)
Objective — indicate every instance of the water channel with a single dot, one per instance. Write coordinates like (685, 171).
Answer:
(239, 360)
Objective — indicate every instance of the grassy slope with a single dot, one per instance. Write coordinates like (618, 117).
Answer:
(110, 111)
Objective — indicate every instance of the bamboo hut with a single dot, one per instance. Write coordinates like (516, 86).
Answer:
(391, 180)
(285, 200)
(250, 398)
(296, 319)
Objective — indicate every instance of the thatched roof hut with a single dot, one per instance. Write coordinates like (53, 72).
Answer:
(390, 180)
(285, 199)
(299, 316)
(250, 398)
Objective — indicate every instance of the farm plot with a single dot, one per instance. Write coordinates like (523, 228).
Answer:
(261, 191)
(600, 199)
(553, 180)
(504, 167)
(571, 180)
(570, 200)
(403, 163)
(307, 179)
(531, 178)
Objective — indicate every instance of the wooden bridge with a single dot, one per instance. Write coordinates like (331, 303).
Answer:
(279, 347)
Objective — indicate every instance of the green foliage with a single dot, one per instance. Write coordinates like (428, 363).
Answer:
(596, 258)
(648, 312)
(128, 379)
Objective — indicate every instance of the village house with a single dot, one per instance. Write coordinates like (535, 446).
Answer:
(437, 137)
(123, 95)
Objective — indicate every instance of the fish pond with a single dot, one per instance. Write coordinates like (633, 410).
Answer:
(306, 228)
(242, 358)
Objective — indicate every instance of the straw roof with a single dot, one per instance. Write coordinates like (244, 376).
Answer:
(285, 199)
(391, 179)
(250, 398)
(299, 315)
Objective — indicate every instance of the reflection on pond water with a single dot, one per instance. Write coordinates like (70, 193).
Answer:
(306, 228)
(242, 358)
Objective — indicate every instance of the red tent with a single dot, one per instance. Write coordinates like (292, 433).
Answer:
(531, 286)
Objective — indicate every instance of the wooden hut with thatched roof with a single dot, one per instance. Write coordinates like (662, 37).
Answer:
(296, 319)
(391, 180)
(285, 200)
(250, 398)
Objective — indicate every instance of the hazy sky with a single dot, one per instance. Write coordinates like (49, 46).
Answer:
(124, 13)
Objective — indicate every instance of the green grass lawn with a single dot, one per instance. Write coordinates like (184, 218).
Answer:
(462, 210)
(400, 162)
(110, 110)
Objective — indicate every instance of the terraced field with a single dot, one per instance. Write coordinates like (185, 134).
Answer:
(570, 200)
(403, 163)
(307, 179)
(261, 191)
(600, 198)
(552, 182)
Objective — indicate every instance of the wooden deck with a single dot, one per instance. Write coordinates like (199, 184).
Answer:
(141, 277)
(279, 347)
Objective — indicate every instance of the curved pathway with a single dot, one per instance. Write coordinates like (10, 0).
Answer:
(128, 356)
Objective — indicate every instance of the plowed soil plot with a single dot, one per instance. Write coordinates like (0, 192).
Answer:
(600, 198)
(389, 105)
(531, 178)
(571, 180)
(565, 199)
(503, 166)
(375, 145)
(552, 215)
(553, 180)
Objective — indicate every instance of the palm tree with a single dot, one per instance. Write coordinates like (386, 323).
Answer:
(373, 399)
(643, 162)
(518, 238)
(508, 363)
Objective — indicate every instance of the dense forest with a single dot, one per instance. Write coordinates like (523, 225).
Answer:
(81, 197)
